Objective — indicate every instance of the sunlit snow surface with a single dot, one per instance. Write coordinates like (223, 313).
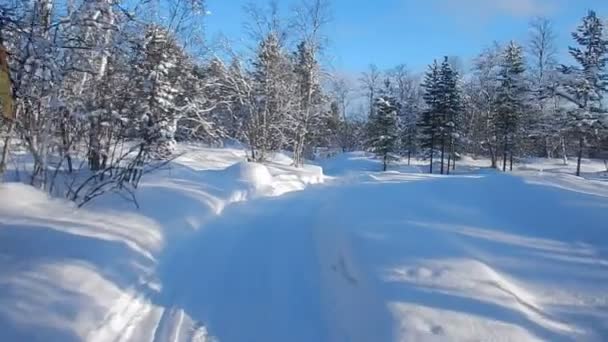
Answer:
(226, 250)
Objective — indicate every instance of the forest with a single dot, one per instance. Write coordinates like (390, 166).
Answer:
(97, 93)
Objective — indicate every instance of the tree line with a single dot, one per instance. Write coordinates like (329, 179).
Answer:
(516, 101)
(102, 90)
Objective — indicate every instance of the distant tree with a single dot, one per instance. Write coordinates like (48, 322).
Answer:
(430, 123)
(438, 124)
(274, 94)
(370, 83)
(341, 95)
(545, 121)
(451, 104)
(311, 115)
(481, 93)
(585, 84)
(407, 93)
(510, 100)
(382, 127)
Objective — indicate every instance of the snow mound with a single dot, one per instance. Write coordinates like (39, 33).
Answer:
(252, 175)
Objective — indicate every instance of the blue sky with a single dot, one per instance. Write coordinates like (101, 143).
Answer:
(414, 32)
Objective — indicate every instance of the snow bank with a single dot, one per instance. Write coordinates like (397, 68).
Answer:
(250, 175)
(91, 274)
(63, 271)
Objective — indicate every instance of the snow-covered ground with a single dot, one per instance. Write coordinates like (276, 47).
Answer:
(227, 250)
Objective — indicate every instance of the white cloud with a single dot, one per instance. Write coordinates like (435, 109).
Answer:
(490, 8)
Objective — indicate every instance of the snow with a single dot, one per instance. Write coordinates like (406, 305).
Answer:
(228, 250)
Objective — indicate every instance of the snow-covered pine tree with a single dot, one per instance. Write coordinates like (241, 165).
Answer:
(274, 93)
(159, 76)
(438, 124)
(310, 115)
(510, 100)
(429, 123)
(585, 84)
(407, 93)
(451, 104)
(382, 127)
(311, 119)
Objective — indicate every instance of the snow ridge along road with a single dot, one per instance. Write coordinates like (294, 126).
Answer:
(365, 256)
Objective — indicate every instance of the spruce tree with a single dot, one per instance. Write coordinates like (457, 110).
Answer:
(430, 121)
(510, 99)
(382, 127)
(585, 84)
(309, 116)
(158, 73)
(438, 123)
(451, 104)
(274, 94)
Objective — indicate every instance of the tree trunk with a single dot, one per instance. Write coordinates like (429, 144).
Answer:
(5, 149)
(432, 152)
(384, 161)
(409, 157)
(453, 153)
(449, 163)
(442, 152)
(564, 153)
(511, 162)
(66, 144)
(94, 147)
(504, 155)
(580, 156)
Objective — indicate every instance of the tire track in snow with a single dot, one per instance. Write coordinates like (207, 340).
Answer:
(353, 311)
(123, 316)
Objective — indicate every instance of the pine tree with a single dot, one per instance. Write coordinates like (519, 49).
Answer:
(510, 99)
(408, 95)
(585, 85)
(159, 75)
(430, 121)
(382, 128)
(438, 123)
(274, 93)
(310, 115)
(451, 104)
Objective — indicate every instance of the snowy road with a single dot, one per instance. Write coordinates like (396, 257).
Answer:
(399, 257)
(366, 256)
